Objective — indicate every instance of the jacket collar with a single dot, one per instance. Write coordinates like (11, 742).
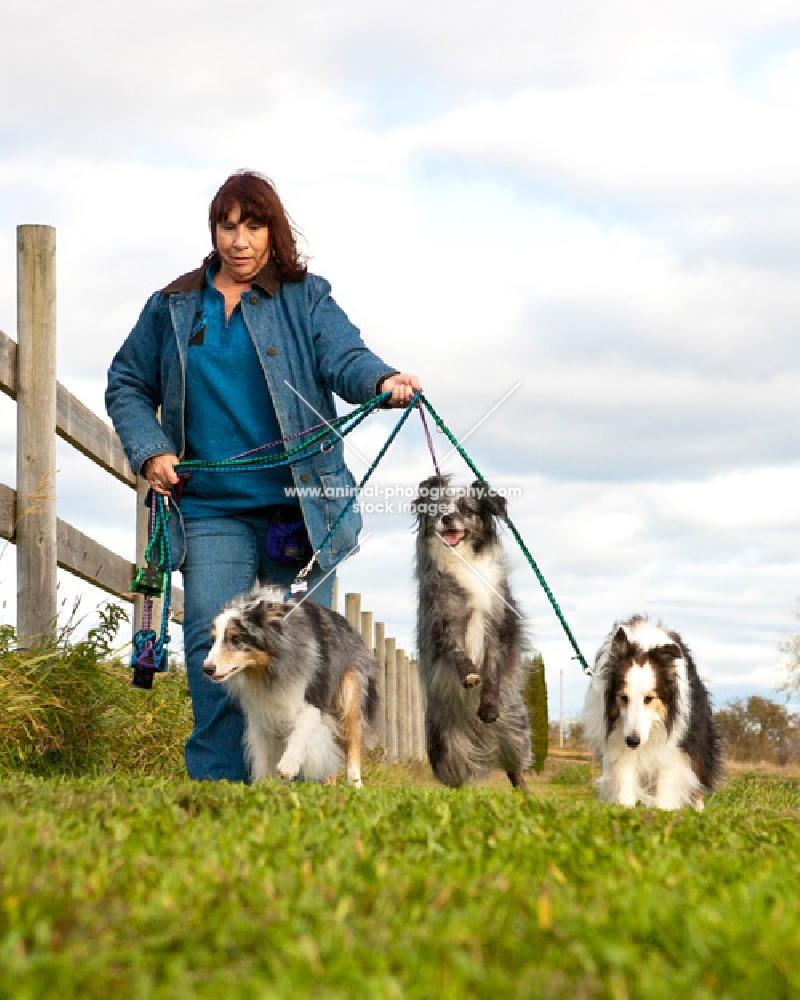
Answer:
(194, 281)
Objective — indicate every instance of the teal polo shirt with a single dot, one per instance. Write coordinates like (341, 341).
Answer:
(229, 410)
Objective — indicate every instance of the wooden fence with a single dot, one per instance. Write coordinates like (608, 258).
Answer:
(401, 718)
(45, 409)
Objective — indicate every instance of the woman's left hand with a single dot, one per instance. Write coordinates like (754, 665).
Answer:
(402, 388)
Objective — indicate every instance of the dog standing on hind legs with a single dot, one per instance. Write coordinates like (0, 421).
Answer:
(469, 636)
(305, 681)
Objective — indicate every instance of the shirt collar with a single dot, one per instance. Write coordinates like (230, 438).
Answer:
(266, 279)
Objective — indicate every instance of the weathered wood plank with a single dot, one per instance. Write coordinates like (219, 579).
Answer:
(403, 727)
(87, 559)
(8, 506)
(93, 437)
(84, 557)
(8, 365)
(36, 440)
(75, 422)
(390, 659)
(380, 656)
(352, 610)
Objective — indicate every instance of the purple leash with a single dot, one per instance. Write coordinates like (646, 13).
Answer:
(430, 441)
(273, 444)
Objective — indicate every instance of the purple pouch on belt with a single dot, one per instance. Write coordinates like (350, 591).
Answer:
(288, 542)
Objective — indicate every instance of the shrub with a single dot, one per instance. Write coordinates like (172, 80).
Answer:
(536, 701)
(67, 707)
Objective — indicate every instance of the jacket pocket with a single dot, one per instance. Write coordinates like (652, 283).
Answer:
(338, 488)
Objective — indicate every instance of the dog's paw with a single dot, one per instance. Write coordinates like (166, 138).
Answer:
(288, 767)
(488, 713)
(471, 680)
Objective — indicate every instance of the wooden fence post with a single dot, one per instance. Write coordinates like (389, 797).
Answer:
(335, 598)
(391, 700)
(380, 656)
(352, 610)
(423, 748)
(413, 688)
(366, 629)
(404, 729)
(36, 538)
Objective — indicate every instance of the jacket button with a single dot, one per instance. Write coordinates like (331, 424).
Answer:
(303, 477)
(272, 351)
(253, 300)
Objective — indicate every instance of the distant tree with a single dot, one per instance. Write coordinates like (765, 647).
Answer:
(790, 647)
(536, 700)
(759, 730)
(573, 734)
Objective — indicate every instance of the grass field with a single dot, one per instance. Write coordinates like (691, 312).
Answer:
(118, 887)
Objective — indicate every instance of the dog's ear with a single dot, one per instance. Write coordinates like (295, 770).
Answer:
(665, 656)
(267, 615)
(272, 614)
(489, 503)
(621, 645)
(429, 491)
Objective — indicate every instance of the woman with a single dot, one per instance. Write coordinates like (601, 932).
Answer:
(245, 350)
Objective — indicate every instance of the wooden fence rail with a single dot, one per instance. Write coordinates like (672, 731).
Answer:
(45, 409)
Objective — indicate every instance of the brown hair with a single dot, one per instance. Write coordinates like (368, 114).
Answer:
(258, 200)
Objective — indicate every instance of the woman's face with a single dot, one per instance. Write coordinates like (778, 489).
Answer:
(243, 246)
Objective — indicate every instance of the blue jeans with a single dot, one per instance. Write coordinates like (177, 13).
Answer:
(225, 556)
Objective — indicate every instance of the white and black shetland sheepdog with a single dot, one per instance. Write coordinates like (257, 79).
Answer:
(469, 635)
(648, 718)
(306, 683)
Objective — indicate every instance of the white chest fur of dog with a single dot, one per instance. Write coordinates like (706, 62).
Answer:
(648, 718)
(480, 577)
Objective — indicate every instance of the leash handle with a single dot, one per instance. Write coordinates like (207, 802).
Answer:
(149, 653)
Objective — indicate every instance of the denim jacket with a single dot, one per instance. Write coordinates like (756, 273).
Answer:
(308, 350)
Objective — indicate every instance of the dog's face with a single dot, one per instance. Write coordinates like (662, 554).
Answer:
(642, 688)
(242, 639)
(458, 516)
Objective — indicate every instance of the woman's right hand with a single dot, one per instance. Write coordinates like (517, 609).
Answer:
(159, 472)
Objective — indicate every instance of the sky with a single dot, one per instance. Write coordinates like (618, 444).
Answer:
(579, 223)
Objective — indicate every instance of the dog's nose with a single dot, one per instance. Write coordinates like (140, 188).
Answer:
(633, 740)
(209, 669)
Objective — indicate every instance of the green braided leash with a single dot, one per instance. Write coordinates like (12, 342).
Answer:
(340, 426)
(513, 528)
(299, 583)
